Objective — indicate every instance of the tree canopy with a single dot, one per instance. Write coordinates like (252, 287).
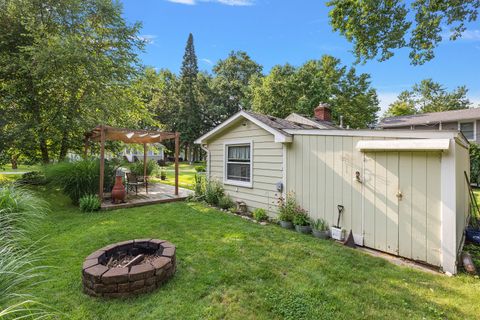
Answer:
(428, 96)
(377, 28)
(288, 89)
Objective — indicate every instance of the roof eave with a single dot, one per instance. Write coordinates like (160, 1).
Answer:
(279, 136)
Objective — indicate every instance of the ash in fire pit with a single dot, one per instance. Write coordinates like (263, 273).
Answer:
(128, 268)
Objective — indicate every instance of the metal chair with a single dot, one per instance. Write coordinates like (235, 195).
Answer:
(134, 181)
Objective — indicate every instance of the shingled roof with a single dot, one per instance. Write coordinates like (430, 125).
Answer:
(278, 123)
(430, 118)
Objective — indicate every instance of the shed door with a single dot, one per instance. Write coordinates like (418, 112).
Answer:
(402, 204)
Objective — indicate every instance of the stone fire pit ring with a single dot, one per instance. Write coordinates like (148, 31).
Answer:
(101, 279)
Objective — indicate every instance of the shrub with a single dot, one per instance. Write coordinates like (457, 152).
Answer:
(33, 178)
(80, 178)
(200, 169)
(226, 202)
(213, 192)
(137, 167)
(89, 203)
(199, 187)
(287, 207)
(474, 163)
(320, 225)
(260, 214)
(301, 218)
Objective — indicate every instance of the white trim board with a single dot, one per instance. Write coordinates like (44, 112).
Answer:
(279, 136)
(411, 134)
(405, 144)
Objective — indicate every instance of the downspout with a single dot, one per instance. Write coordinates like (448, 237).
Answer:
(204, 148)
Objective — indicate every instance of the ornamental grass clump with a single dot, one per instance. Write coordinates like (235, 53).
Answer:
(20, 264)
(260, 214)
(89, 203)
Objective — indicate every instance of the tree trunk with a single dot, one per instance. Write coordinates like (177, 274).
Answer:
(63, 147)
(14, 161)
(186, 155)
(44, 150)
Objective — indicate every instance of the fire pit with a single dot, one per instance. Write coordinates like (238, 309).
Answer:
(128, 268)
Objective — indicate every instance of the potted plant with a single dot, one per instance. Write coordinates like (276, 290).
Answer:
(320, 229)
(302, 221)
(163, 175)
(286, 211)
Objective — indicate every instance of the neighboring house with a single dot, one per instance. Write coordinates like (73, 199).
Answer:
(155, 153)
(465, 120)
(404, 192)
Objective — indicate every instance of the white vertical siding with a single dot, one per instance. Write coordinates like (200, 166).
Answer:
(326, 166)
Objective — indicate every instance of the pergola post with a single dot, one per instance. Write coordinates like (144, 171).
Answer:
(177, 151)
(102, 162)
(145, 166)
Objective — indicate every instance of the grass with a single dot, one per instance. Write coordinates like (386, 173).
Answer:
(21, 168)
(229, 268)
(186, 176)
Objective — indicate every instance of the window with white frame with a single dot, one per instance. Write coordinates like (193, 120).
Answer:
(468, 129)
(238, 164)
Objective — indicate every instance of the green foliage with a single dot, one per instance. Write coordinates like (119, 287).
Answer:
(301, 89)
(200, 185)
(428, 96)
(213, 192)
(320, 225)
(137, 167)
(377, 28)
(226, 202)
(80, 178)
(474, 163)
(65, 66)
(301, 217)
(200, 169)
(287, 207)
(33, 178)
(89, 203)
(290, 305)
(260, 214)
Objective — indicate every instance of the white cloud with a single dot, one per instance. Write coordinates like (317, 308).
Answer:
(225, 2)
(473, 35)
(385, 99)
(207, 61)
(148, 38)
(188, 2)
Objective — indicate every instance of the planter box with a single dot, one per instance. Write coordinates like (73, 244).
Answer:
(304, 229)
(321, 234)
(286, 224)
(337, 233)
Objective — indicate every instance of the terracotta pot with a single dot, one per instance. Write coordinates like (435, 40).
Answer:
(118, 191)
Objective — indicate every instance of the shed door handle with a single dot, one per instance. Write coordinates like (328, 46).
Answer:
(399, 195)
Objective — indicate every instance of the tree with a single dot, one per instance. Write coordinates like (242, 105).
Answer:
(64, 68)
(429, 96)
(287, 89)
(231, 82)
(377, 28)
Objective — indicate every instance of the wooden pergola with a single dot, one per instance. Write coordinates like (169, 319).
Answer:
(103, 133)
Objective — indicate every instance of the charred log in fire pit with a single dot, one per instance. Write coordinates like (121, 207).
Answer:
(128, 268)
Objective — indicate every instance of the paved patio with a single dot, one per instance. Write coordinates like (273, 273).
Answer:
(157, 193)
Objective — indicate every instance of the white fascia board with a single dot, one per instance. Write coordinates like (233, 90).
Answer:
(279, 136)
(403, 145)
(408, 134)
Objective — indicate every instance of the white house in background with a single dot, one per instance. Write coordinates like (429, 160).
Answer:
(403, 191)
(155, 152)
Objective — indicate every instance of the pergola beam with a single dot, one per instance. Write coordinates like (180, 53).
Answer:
(104, 133)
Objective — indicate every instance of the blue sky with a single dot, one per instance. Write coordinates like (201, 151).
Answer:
(280, 31)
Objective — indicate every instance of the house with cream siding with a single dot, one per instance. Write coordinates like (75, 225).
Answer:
(403, 192)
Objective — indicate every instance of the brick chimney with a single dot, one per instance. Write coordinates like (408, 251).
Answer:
(323, 112)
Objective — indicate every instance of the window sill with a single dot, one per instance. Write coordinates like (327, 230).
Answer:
(238, 183)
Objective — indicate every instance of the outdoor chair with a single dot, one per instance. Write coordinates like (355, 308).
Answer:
(134, 181)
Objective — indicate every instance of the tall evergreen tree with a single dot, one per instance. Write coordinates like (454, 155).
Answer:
(189, 124)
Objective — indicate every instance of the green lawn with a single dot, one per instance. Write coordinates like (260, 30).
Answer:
(21, 168)
(229, 268)
(186, 176)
